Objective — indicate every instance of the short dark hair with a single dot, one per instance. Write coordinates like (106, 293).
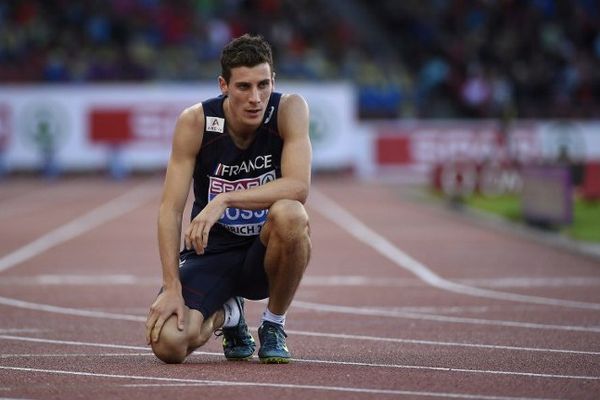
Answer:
(245, 51)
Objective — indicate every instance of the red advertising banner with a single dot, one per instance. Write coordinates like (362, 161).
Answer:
(110, 126)
(148, 123)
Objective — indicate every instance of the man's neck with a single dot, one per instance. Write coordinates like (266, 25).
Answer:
(241, 135)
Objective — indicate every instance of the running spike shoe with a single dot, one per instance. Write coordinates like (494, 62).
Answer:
(273, 349)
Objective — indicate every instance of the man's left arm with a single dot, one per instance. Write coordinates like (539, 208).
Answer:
(296, 159)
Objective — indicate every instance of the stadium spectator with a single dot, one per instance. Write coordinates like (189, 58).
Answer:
(533, 58)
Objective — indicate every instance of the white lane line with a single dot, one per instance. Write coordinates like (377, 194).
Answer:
(307, 281)
(150, 385)
(268, 385)
(61, 355)
(346, 221)
(439, 318)
(98, 216)
(336, 336)
(314, 361)
(313, 306)
(453, 369)
(18, 330)
(428, 394)
(68, 311)
(506, 282)
(88, 344)
(442, 310)
(73, 343)
(80, 280)
(531, 282)
(339, 336)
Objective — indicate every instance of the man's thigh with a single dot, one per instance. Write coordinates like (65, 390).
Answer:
(209, 280)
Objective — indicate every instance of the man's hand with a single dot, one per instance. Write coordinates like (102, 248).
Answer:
(196, 234)
(169, 302)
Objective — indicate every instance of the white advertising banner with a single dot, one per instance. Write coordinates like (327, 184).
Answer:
(82, 125)
(408, 151)
(419, 145)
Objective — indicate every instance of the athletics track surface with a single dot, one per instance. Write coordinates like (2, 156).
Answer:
(401, 300)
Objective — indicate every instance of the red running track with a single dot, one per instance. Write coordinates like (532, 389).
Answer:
(402, 299)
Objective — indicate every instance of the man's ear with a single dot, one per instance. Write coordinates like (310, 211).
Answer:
(223, 85)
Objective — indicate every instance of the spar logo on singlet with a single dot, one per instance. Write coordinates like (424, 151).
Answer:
(240, 222)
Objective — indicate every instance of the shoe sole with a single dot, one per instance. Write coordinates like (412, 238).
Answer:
(239, 358)
(275, 360)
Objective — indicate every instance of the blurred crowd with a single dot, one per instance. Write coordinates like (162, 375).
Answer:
(498, 58)
(409, 58)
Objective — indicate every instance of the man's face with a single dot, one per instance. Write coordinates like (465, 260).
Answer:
(249, 89)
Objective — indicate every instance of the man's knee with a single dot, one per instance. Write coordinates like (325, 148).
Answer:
(288, 217)
(171, 346)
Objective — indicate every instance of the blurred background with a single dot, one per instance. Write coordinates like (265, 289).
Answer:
(465, 96)
(409, 59)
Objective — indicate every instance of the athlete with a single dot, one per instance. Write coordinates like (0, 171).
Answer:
(248, 153)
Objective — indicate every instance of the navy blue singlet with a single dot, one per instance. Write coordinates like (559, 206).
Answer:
(222, 167)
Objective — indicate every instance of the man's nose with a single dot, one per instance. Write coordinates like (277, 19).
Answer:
(254, 95)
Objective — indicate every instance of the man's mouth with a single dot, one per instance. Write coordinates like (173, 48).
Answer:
(254, 112)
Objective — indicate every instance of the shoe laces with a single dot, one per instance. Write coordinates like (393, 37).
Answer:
(235, 335)
(273, 335)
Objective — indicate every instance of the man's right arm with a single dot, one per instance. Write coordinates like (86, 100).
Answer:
(186, 144)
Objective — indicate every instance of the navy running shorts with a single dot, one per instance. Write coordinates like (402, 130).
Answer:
(209, 280)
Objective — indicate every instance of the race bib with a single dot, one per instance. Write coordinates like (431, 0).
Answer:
(241, 222)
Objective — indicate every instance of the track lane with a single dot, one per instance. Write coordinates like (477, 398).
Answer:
(336, 254)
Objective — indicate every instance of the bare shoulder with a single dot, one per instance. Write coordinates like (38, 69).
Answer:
(293, 116)
(192, 117)
(293, 102)
(189, 130)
